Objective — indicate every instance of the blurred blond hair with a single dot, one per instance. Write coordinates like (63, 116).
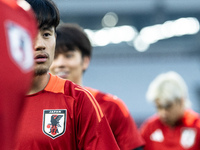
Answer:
(168, 86)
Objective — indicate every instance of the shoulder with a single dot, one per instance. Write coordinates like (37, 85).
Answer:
(109, 100)
(76, 91)
(59, 85)
(84, 99)
(191, 118)
(150, 122)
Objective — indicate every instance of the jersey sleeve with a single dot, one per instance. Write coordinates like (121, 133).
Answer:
(124, 127)
(93, 131)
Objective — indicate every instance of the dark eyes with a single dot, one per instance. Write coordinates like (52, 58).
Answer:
(69, 55)
(46, 34)
(166, 107)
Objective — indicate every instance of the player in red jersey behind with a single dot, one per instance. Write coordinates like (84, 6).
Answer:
(58, 114)
(18, 29)
(175, 127)
(72, 57)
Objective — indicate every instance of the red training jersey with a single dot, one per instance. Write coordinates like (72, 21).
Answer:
(63, 116)
(122, 124)
(18, 28)
(184, 136)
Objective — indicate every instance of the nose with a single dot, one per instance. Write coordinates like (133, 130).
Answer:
(39, 43)
(162, 113)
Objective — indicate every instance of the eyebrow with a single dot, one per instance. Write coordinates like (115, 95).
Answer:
(47, 28)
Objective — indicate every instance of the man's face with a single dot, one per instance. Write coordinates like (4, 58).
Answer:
(69, 65)
(170, 112)
(44, 48)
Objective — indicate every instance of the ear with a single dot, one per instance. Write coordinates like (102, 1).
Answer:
(86, 62)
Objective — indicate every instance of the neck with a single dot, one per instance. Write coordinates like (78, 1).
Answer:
(79, 81)
(39, 83)
(179, 119)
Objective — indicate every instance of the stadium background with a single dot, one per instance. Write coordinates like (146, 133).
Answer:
(125, 69)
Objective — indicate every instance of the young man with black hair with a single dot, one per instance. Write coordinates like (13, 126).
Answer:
(58, 114)
(72, 58)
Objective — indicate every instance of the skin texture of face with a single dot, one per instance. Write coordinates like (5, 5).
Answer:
(44, 48)
(70, 65)
(170, 112)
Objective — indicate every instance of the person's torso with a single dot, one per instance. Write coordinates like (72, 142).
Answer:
(47, 122)
(182, 137)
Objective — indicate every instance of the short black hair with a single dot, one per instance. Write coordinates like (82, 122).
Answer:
(46, 12)
(71, 36)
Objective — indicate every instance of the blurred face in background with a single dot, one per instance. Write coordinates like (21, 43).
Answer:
(69, 65)
(170, 112)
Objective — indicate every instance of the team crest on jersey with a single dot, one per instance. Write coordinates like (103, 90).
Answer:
(54, 122)
(157, 136)
(188, 137)
(20, 45)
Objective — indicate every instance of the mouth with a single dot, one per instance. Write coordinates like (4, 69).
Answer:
(62, 74)
(41, 58)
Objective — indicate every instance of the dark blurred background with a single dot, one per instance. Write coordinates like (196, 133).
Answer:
(134, 41)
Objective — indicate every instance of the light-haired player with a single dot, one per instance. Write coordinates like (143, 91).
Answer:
(175, 126)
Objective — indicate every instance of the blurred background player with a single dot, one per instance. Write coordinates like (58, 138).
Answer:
(18, 29)
(175, 127)
(72, 58)
(58, 114)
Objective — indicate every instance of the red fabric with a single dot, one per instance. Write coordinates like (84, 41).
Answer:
(120, 120)
(185, 136)
(86, 126)
(14, 82)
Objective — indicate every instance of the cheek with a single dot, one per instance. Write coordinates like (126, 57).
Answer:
(52, 43)
(52, 50)
(75, 63)
(173, 115)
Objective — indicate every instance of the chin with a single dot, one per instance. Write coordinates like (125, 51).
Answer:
(169, 123)
(39, 72)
